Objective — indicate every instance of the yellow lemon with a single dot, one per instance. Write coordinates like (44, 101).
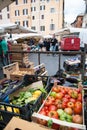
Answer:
(16, 110)
(37, 92)
(9, 109)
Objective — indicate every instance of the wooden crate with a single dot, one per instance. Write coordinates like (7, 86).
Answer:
(65, 125)
(13, 71)
(7, 70)
(19, 47)
(19, 56)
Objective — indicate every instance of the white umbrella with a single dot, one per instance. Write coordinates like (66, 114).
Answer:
(14, 28)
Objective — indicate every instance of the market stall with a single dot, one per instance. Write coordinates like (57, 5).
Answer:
(29, 110)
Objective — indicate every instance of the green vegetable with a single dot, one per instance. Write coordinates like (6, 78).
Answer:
(49, 123)
(53, 94)
(43, 90)
(60, 112)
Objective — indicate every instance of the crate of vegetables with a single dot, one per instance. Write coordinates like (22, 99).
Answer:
(23, 102)
(62, 109)
(8, 86)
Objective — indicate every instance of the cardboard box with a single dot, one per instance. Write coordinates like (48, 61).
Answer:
(20, 124)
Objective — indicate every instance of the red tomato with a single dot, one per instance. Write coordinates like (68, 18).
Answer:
(66, 100)
(53, 114)
(67, 96)
(51, 98)
(78, 107)
(70, 92)
(68, 110)
(55, 89)
(67, 89)
(77, 119)
(46, 109)
(58, 103)
(52, 108)
(42, 112)
(72, 100)
(59, 95)
(63, 91)
(48, 102)
(64, 105)
(70, 105)
(79, 97)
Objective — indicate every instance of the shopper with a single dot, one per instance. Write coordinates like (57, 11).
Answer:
(4, 49)
(53, 43)
(41, 44)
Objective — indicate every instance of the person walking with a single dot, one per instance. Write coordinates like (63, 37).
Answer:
(4, 49)
(53, 43)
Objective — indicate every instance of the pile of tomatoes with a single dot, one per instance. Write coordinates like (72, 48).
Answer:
(63, 98)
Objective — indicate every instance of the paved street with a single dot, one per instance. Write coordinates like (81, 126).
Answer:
(51, 62)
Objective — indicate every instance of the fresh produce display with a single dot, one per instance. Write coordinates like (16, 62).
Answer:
(63, 103)
(25, 97)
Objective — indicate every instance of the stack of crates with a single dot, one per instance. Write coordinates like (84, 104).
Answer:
(21, 58)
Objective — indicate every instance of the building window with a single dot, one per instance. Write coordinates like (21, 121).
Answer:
(52, 10)
(17, 22)
(42, 7)
(42, 28)
(25, 23)
(16, 2)
(33, 9)
(8, 16)
(33, 28)
(0, 16)
(17, 13)
(33, 17)
(24, 1)
(52, 26)
(25, 11)
(33, 1)
(7, 8)
(42, 16)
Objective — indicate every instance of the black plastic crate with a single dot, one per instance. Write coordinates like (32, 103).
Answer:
(72, 68)
(26, 110)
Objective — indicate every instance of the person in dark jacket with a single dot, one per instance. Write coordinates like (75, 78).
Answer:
(53, 43)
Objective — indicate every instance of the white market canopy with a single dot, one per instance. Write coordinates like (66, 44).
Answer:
(24, 36)
(47, 36)
(69, 30)
(14, 28)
